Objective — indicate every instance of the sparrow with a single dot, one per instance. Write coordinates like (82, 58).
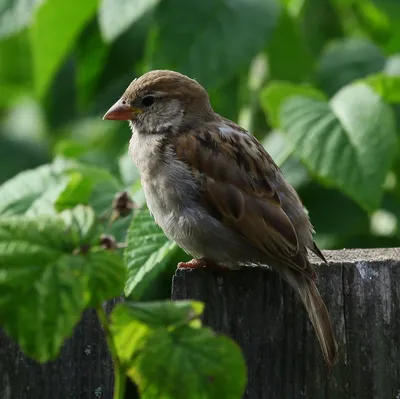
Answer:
(215, 191)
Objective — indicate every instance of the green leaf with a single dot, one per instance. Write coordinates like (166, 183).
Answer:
(372, 20)
(49, 274)
(226, 99)
(156, 314)
(347, 61)
(281, 151)
(42, 311)
(81, 225)
(391, 8)
(147, 254)
(20, 193)
(16, 15)
(63, 233)
(106, 274)
(91, 55)
(89, 186)
(57, 25)
(62, 184)
(349, 142)
(273, 96)
(392, 66)
(115, 18)
(131, 320)
(102, 142)
(211, 41)
(295, 172)
(97, 188)
(69, 148)
(25, 239)
(320, 21)
(15, 68)
(175, 358)
(188, 364)
(288, 44)
(278, 147)
(77, 191)
(388, 87)
(123, 66)
(103, 194)
(127, 169)
(41, 293)
(59, 102)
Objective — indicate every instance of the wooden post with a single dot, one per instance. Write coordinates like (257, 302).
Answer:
(84, 369)
(255, 307)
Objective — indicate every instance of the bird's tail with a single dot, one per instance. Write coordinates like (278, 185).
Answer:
(317, 312)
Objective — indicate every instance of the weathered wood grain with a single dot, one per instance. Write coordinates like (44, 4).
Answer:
(362, 291)
(83, 371)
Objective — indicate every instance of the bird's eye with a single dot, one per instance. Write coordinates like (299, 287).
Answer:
(147, 101)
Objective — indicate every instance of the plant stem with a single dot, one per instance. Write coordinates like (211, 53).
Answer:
(119, 375)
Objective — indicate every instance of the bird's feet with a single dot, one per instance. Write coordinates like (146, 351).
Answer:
(198, 263)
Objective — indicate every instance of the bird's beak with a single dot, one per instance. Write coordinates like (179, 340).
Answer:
(122, 111)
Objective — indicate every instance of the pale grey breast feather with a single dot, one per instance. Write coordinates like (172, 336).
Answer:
(168, 184)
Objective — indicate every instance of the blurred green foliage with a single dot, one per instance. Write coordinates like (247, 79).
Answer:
(62, 64)
(317, 81)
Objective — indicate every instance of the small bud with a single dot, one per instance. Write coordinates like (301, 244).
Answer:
(108, 242)
(82, 250)
(123, 204)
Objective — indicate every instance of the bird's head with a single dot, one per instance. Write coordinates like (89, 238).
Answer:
(162, 101)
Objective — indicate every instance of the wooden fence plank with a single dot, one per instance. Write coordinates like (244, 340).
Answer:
(83, 371)
(362, 291)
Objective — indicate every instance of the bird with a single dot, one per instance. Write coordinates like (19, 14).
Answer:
(214, 189)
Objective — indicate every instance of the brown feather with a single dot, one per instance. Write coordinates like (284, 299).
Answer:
(241, 194)
(317, 312)
(318, 252)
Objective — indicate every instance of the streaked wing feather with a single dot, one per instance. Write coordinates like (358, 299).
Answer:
(238, 191)
(261, 220)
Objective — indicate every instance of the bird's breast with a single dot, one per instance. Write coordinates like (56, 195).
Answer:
(169, 186)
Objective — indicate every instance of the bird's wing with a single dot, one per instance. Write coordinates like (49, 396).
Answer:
(235, 173)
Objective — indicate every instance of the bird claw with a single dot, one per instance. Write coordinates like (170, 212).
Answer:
(199, 263)
(193, 264)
